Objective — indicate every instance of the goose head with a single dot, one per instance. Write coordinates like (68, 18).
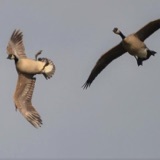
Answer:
(117, 31)
(12, 57)
(11, 53)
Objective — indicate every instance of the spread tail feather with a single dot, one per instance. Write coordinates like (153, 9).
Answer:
(150, 53)
(49, 69)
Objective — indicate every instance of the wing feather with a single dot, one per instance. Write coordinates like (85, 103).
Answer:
(23, 97)
(103, 61)
(15, 45)
(148, 29)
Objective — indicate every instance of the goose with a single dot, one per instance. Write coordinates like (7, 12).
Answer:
(27, 69)
(133, 44)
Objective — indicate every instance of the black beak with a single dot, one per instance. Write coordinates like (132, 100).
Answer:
(9, 57)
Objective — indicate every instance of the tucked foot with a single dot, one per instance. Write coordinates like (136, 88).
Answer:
(140, 61)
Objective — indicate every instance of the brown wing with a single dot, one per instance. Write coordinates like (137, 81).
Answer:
(148, 29)
(23, 97)
(15, 45)
(104, 60)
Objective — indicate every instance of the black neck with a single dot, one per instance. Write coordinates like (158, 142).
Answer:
(122, 35)
(16, 60)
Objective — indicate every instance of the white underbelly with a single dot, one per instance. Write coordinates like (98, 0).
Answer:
(141, 53)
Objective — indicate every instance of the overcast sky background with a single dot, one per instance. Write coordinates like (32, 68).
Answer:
(117, 117)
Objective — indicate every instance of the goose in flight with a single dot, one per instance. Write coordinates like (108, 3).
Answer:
(133, 44)
(27, 68)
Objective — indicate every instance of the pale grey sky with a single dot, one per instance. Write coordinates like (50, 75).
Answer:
(117, 117)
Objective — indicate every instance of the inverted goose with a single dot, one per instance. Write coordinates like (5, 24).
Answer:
(133, 44)
(26, 69)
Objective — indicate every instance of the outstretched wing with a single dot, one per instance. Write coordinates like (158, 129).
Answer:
(148, 29)
(15, 45)
(23, 97)
(104, 60)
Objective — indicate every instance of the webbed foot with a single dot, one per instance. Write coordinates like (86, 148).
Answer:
(140, 61)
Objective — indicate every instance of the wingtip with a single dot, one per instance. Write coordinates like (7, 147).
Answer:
(17, 34)
(86, 85)
(35, 119)
(37, 124)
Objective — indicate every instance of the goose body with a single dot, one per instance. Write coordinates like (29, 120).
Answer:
(133, 44)
(27, 68)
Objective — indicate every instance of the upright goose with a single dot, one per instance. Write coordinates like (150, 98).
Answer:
(26, 69)
(133, 44)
